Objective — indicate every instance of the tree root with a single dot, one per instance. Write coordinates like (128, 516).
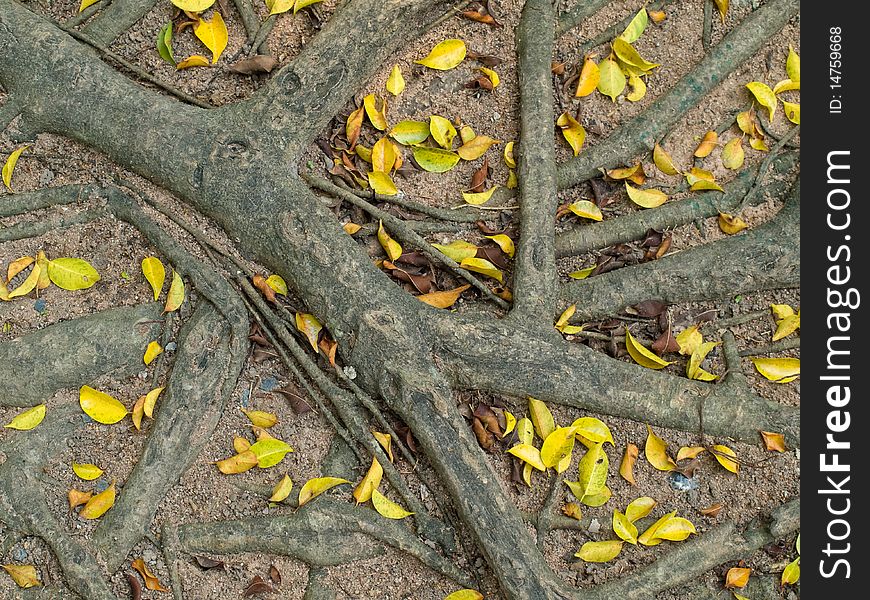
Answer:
(467, 215)
(21, 231)
(764, 258)
(780, 346)
(634, 226)
(316, 590)
(641, 133)
(19, 204)
(572, 17)
(117, 18)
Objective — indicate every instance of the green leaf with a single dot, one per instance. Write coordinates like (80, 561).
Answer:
(611, 80)
(409, 133)
(435, 160)
(164, 43)
(270, 451)
(636, 27)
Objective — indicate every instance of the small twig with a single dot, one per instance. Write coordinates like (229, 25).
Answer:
(87, 13)
(707, 34)
(765, 164)
(445, 214)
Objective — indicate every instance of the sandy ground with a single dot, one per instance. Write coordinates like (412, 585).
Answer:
(203, 494)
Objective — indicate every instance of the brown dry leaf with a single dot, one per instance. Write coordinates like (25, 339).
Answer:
(151, 581)
(478, 180)
(737, 577)
(626, 467)
(207, 563)
(262, 63)
(774, 442)
(260, 283)
(275, 575)
(78, 497)
(484, 437)
(713, 510)
(257, 586)
(572, 509)
(354, 125)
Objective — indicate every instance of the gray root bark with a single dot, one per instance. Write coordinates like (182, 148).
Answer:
(117, 18)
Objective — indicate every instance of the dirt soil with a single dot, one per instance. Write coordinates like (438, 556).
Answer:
(203, 494)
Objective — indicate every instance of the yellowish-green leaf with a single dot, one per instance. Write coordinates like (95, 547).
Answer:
(382, 183)
(175, 295)
(722, 5)
(445, 55)
(387, 508)
(476, 147)
(528, 454)
(72, 273)
(101, 407)
(9, 166)
(764, 96)
(656, 452)
(758, 144)
(792, 112)
(318, 485)
(635, 27)
(494, 79)
(786, 85)
(409, 133)
(792, 572)
(269, 451)
(435, 160)
(512, 180)
(624, 528)
(241, 462)
(194, 6)
(693, 367)
(733, 155)
(557, 447)
(300, 4)
(611, 79)
(479, 198)
(196, 60)
(390, 246)
(541, 417)
(87, 471)
(707, 145)
(97, 506)
(599, 551)
(28, 419)
(701, 179)
(376, 108)
(793, 65)
(282, 489)
(261, 418)
(641, 355)
(310, 326)
(442, 131)
(629, 55)
(151, 401)
(25, 576)
(153, 350)
(510, 423)
(573, 131)
(525, 431)
(155, 274)
(648, 198)
(730, 224)
(778, 370)
(444, 299)
(466, 134)
(582, 273)
(213, 34)
(482, 266)
(504, 242)
(86, 3)
(277, 7)
(395, 82)
(458, 250)
(562, 322)
(363, 491)
(638, 88)
(592, 471)
(730, 465)
(277, 283)
(639, 508)
(466, 594)
(593, 500)
(509, 159)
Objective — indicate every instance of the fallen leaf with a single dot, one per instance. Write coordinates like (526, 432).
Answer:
(590, 430)
(733, 155)
(269, 451)
(17, 266)
(737, 577)
(308, 324)
(648, 537)
(792, 572)
(261, 418)
(194, 6)
(639, 508)
(241, 462)
(86, 471)
(274, 575)
(707, 145)
(482, 266)
(730, 224)
(445, 55)
(72, 273)
(586, 210)
(592, 471)
(792, 112)
(442, 131)
(722, 5)
(101, 407)
(693, 367)
(363, 491)
(151, 581)
(599, 551)
(458, 250)
(624, 528)
(774, 442)
(377, 116)
(192, 61)
(28, 419)
(150, 401)
(256, 587)
(155, 274)
(729, 464)
(282, 489)
(764, 96)
(528, 454)
(99, 503)
(476, 199)
(582, 273)
(395, 82)
(626, 467)
(648, 198)
(444, 299)
(206, 563)
(382, 183)
(590, 75)
(256, 65)
(793, 65)
(86, 3)
(700, 179)
(466, 594)
(663, 161)
(657, 16)
(175, 296)
(504, 242)
(630, 56)
(557, 447)
(77, 497)
(300, 4)
(476, 147)
(435, 160)
(241, 444)
(562, 322)
(410, 132)
(390, 246)
(638, 88)
(712, 510)
(689, 452)
(656, 452)
(164, 43)
(151, 352)
(777, 370)
(318, 485)
(541, 417)
(25, 576)
(573, 132)
(611, 79)
(387, 508)
(635, 27)
(758, 144)
(641, 355)
(493, 77)
(675, 529)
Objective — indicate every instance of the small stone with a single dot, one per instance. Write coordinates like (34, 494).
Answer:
(39, 305)
(495, 117)
(143, 375)
(86, 419)
(170, 347)
(350, 372)
(268, 384)
(245, 398)
(46, 177)
(101, 485)
(681, 483)
(19, 555)
(594, 526)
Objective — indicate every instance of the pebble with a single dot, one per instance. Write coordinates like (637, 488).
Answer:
(171, 346)
(143, 375)
(149, 556)
(19, 555)
(39, 305)
(268, 384)
(46, 177)
(244, 398)
(101, 485)
(87, 419)
(350, 372)
(594, 526)
(681, 483)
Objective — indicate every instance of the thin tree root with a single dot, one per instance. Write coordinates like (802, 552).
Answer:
(115, 19)
(32, 229)
(780, 346)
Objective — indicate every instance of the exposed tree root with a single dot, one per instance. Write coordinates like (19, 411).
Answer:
(572, 17)
(19, 204)
(31, 229)
(116, 18)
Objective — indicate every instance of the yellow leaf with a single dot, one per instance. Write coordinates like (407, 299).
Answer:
(310, 326)
(442, 131)
(592, 471)
(626, 467)
(656, 452)
(730, 465)
(277, 7)
(240, 444)
(573, 510)
(25, 576)
(155, 274)
(641, 355)
(781, 311)
(793, 65)
(663, 161)
(9, 166)
(77, 497)
(689, 452)
(573, 131)
(318, 485)
(765, 97)
(387, 508)
(590, 75)
(466, 594)
(269, 451)
(18, 265)
(97, 506)
(707, 145)
(241, 462)
(27, 286)
(528, 454)
(382, 183)
(541, 417)
(482, 266)
(192, 61)
(300, 4)
(377, 116)
(510, 423)
(383, 156)
(138, 413)
(390, 246)
(151, 352)
(557, 447)
(689, 339)
(435, 160)
(351, 228)
(675, 529)
(737, 577)
(150, 401)
(175, 296)
(693, 368)
(792, 112)
(730, 224)
(466, 134)
(700, 179)
(509, 156)
(194, 6)
(42, 263)
(476, 147)
(582, 273)
(624, 528)
(101, 407)
(638, 88)
(639, 508)
(72, 273)
(773, 442)
(778, 370)
(277, 283)
(611, 79)
(151, 581)
(630, 56)
(395, 82)
(476, 199)
(28, 419)
(636, 27)
(87, 471)
(410, 132)
(458, 250)
(512, 181)
(562, 322)
(786, 85)
(504, 242)
(494, 79)
(722, 5)
(648, 198)
(282, 489)
(599, 551)
(86, 3)
(657, 16)
(445, 55)
(261, 418)
(758, 144)
(363, 491)
(444, 299)
(648, 537)
(792, 572)
(732, 154)
(213, 34)
(590, 429)
(525, 431)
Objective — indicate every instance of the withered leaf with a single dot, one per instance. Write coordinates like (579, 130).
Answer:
(650, 308)
(275, 575)
(257, 586)
(260, 283)
(478, 180)
(207, 563)
(261, 63)
(484, 437)
(489, 419)
(666, 342)
(712, 510)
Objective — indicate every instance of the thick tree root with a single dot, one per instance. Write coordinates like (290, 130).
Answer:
(21, 231)
(762, 259)
(19, 204)
(641, 133)
(117, 18)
